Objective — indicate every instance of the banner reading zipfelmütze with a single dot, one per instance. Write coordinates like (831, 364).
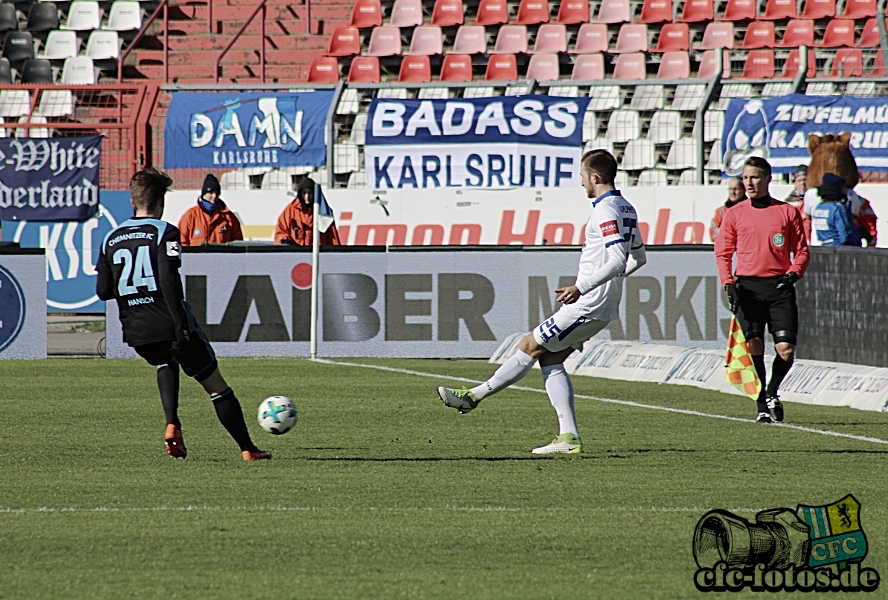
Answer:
(55, 179)
(232, 130)
(777, 129)
(502, 142)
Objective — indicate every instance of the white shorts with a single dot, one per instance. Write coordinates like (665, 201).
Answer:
(567, 328)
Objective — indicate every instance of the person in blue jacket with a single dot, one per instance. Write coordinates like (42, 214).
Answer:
(832, 221)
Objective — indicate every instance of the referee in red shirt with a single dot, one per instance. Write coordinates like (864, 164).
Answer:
(772, 254)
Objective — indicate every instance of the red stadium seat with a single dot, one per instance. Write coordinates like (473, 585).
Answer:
(384, 41)
(366, 14)
(492, 12)
(792, 64)
(877, 69)
(675, 65)
(859, 9)
(323, 69)
(739, 10)
(819, 9)
(614, 11)
(848, 62)
(778, 10)
(573, 12)
(551, 39)
(759, 34)
(656, 11)
(799, 32)
(345, 41)
(630, 66)
(870, 36)
(427, 41)
(839, 33)
(470, 39)
(532, 12)
(415, 69)
(696, 11)
(511, 39)
(706, 70)
(591, 38)
(673, 36)
(501, 67)
(633, 37)
(718, 35)
(543, 67)
(589, 67)
(759, 65)
(448, 13)
(456, 67)
(364, 69)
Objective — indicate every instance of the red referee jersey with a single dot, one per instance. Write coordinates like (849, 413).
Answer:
(768, 241)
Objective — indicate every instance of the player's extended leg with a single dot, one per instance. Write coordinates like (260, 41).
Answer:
(168, 386)
(228, 410)
(561, 395)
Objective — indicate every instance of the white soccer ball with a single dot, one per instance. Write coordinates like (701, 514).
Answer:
(277, 415)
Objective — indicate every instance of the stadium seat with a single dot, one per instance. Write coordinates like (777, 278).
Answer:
(775, 89)
(630, 66)
(235, 180)
(592, 38)
(511, 39)
(5, 72)
(349, 102)
(478, 92)
(655, 11)
(673, 37)
(861, 88)
(718, 35)
(573, 12)
(847, 62)
(14, 103)
(60, 45)
(639, 154)
(759, 64)
(83, 15)
(18, 46)
(78, 71)
(706, 70)
(492, 12)
(551, 38)
(277, 180)
(793, 64)
(563, 91)
(364, 69)
(839, 33)
(736, 90)
(759, 34)
(687, 177)
(358, 134)
(345, 41)
(406, 13)
(37, 70)
(456, 67)
(346, 158)
(798, 32)
(877, 68)
(688, 96)
(696, 11)
(779, 10)
(33, 132)
(470, 39)
(821, 88)
(392, 93)
(427, 41)
(598, 143)
(869, 38)
(739, 10)
(125, 15)
(652, 178)
(614, 11)
(590, 126)
(859, 9)
(501, 67)
(819, 9)
(323, 69)
(604, 97)
(622, 179)
(43, 16)
(623, 125)
(366, 14)
(588, 67)
(103, 45)
(713, 125)
(665, 127)
(674, 65)
(648, 97)
(448, 13)
(633, 37)
(384, 41)
(357, 180)
(8, 18)
(682, 154)
(55, 103)
(532, 12)
(543, 67)
(415, 69)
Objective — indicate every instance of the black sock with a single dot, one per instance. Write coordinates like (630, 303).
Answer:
(168, 386)
(758, 360)
(779, 369)
(228, 409)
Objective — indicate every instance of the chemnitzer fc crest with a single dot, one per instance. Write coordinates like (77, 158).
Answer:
(835, 531)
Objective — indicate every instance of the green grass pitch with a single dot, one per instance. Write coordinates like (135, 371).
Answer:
(382, 492)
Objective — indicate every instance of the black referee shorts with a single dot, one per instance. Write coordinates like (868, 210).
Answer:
(761, 303)
(197, 358)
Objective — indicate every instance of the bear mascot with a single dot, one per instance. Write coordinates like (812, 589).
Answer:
(832, 154)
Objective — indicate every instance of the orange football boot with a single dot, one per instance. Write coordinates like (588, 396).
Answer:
(257, 454)
(175, 445)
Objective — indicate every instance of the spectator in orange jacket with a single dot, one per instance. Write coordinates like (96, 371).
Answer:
(210, 222)
(736, 195)
(295, 223)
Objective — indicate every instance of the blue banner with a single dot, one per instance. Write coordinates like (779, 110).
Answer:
(777, 129)
(502, 142)
(55, 179)
(246, 130)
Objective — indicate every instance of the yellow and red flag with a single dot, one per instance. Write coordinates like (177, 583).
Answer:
(740, 372)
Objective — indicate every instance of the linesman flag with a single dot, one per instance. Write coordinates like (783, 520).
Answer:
(740, 372)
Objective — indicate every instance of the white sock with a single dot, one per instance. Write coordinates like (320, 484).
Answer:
(512, 371)
(561, 395)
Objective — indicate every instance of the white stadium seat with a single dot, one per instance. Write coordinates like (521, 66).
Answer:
(605, 97)
(639, 154)
(103, 45)
(665, 127)
(682, 154)
(60, 45)
(623, 126)
(83, 15)
(79, 70)
(653, 178)
(648, 97)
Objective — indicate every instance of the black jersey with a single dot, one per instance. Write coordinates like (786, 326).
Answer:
(139, 267)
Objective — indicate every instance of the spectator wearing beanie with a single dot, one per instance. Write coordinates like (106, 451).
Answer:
(210, 222)
(294, 225)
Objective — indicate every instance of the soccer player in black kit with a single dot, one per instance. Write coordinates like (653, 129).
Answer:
(139, 267)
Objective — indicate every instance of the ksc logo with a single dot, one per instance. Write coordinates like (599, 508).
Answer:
(12, 308)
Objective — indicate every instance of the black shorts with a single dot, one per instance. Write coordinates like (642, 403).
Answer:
(197, 358)
(761, 303)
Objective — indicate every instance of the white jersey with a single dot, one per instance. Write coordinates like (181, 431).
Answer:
(854, 203)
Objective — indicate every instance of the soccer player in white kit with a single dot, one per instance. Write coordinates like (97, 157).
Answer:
(613, 249)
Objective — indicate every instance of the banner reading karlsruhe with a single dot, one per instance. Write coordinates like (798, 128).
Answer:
(502, 142)
(777, 129)
(233, 130)
(53, 179)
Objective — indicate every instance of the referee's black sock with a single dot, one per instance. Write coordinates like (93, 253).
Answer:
(168, 386)
(779, 369)
(758, 361)
(228, 409)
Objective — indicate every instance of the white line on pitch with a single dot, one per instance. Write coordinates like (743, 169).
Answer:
(681, 411)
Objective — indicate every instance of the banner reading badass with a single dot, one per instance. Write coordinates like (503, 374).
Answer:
(502, 142)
